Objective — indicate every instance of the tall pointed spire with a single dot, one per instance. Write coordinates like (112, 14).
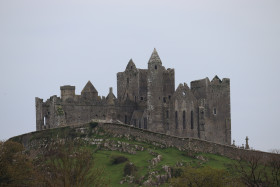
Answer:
(155, 57)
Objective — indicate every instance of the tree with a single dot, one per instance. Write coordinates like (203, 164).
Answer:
(253, 170)
(16, 168)
(202, 177)
(66, 164)
(274, 163)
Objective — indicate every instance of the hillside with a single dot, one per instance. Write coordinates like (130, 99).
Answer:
(154, 162)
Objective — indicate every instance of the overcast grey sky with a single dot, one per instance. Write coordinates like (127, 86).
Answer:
(46, 44)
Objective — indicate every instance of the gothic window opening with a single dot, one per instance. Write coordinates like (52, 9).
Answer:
(155, 66)
(167, 114)
(191, 119)
(134, 122)
(169, 97)
(142, 98)
(125, 119)
(140, 124)
(176, 119)
(135, 99)
(127, 80)
(164, 99)
(145, 123)
(184, 119)
(45, 121)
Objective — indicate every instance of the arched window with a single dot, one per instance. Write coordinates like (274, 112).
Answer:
(167, 114)
(184, 119)
(176, 119)
(155, 66)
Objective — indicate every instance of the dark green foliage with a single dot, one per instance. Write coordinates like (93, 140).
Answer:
(59, 111)
(176, 171)
(254, 172)
(204, 177)
(69, 164)
(16, 169)
(130, 169)
(93, 124)
(118, 159)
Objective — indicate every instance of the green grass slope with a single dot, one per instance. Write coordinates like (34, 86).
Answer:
(136, 152)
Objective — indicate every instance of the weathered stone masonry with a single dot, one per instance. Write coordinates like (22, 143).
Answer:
(147, 99)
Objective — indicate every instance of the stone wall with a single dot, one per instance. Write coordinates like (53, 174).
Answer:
(190, 144)
(159, 140)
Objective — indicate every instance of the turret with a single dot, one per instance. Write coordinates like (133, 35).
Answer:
(155, 93)
(67, 92)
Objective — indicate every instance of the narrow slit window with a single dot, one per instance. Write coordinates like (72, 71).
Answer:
(176, 119)
(184, 119)
(145, 123)
(155, 66)
(191, 119)
(214, 111)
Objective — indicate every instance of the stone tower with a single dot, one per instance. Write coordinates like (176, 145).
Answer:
(161, 86)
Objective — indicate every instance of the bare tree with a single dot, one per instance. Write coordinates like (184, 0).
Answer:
(274, 163)
(252, 170)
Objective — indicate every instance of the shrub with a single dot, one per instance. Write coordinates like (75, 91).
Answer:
(130, 169)
(93, 124)
(118, 160)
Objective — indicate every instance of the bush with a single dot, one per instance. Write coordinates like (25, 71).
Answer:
(204, 177)
(130, 169)
(93, 124)
(118, 160)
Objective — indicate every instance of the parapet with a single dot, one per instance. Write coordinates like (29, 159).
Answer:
(67, 87)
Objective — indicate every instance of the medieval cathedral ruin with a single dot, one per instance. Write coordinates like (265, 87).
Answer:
(147, 99)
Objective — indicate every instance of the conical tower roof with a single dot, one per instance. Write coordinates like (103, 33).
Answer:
(89, 88)
(155, 57)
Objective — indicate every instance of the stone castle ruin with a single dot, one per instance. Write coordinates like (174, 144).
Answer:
(147, 99)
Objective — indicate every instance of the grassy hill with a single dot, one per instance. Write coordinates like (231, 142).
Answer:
(152, 163)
